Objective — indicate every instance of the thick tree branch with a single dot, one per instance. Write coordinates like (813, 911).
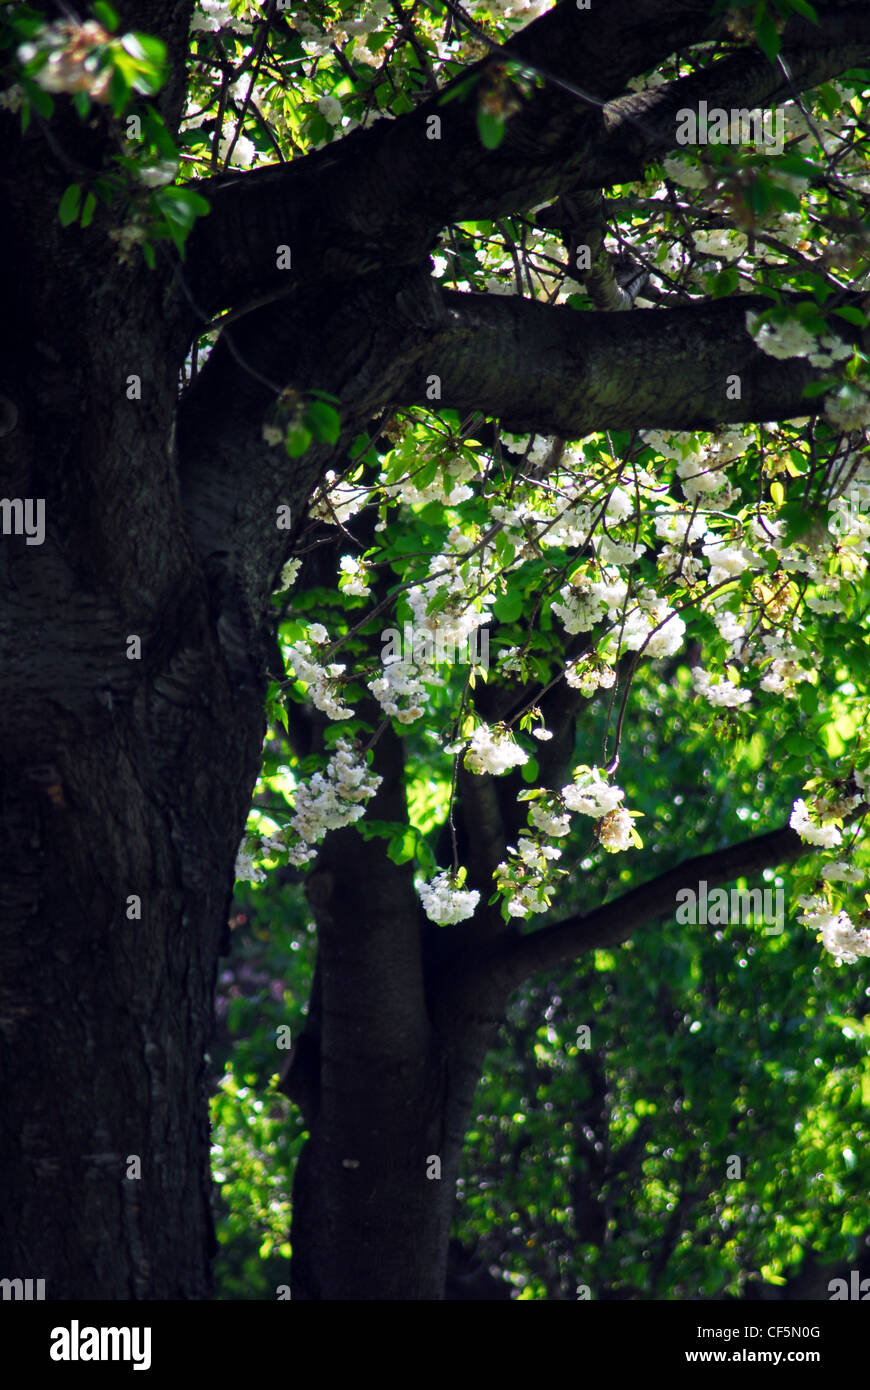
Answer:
(379, 197)
(641, 128)
(556, 370)
(518, 957)
(353, 341)
(532, 365)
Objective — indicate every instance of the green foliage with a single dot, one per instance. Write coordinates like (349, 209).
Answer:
(603, 1161)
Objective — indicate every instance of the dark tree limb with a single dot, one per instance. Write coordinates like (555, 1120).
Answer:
(378, 198)
(536, 366)
(519, 957)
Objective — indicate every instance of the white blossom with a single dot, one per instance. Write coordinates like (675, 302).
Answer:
(841, 872)
(684, 173)
(719, 693)
(336, 502)
(826, 835)
(12, 97)
(288, 574)
(241, 151)
(614, 831)
(400, 690)
(587, 677)
(330, 801)
(544, 816)
(848, 408)
(493, 751)
(444, 902)
(330, 108)
(245, 868)
(322, 681)
(839, 935)
(590, 794)
(353, 578)
(212, 15)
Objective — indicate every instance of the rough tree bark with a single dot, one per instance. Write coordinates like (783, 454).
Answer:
(126, 777)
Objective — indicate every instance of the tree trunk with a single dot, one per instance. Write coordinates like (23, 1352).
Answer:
(394, 1051)
(126, 766)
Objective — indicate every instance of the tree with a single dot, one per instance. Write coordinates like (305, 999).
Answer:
(170, 559)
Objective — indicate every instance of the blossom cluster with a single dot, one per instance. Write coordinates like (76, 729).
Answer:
(788, 337)
(211, 16)
(441, 603)
(401, 690)
(449, 486)
(73, 53)
(322, 681)
(588, 674)
(353, 577)
(445, 902)
(719, 693)
(330, 801)
(337, 501)
(819, 831)
(526, 878)
(494, 751)
(839, 935)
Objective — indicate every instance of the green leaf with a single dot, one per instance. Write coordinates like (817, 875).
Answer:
(852, 315)
(106, 15)
(785, 198)
(795, 164)
(297, 441)
(155, 128)
(829, 99)
(504, 548)
(401, 848)
(508, 607)
(490, 129)
(766, 36)
(462, 89)
(726, 282)
(318, 129)
(181, 205)
(323, 421)
(145, 48)
(380, 829)
(42, 102)
(361, 449)
(88, 209)
(803, 7)
(70, 204)
(798, 519)
(759, 196)
(119, 91)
